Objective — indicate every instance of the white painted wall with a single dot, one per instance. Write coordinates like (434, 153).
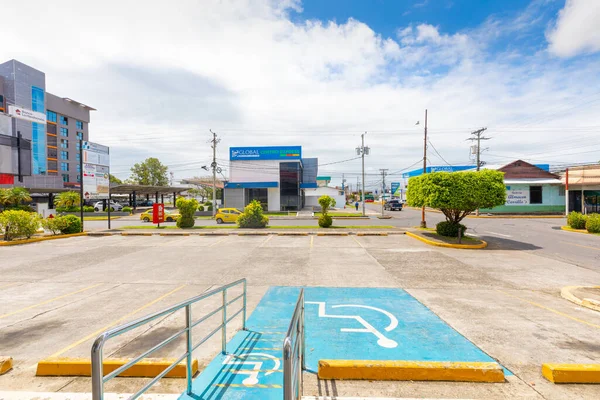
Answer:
(254, 171)
(312, 196)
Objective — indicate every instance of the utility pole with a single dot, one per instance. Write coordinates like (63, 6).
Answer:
(214, 142)
(423, 222)
(383, 174)
(361, 151)
(477, 136)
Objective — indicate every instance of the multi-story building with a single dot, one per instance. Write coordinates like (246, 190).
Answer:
(61, 124)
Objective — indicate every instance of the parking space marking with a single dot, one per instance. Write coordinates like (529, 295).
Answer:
(551, 310)
(356, 240)
(123, 318)
(219, 241)
(580, 245)
(264, 242)
(9, 285)
(49, 301)
(495, 233)
(312, 240)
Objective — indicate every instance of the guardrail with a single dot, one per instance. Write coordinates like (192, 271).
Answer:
(293, 353)
(98, 377)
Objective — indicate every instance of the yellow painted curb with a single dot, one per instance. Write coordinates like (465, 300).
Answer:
(146, 368)
(292, 234)
(6, 364)
(448, 245)
(174, 234)
(41, 239)
(371, 234)
(565, 293)
(136, 234)
(332, 234)
(569, 229)
(213, 234)
(100, 234)
(571, 373)
(411, 370)
(253, 234)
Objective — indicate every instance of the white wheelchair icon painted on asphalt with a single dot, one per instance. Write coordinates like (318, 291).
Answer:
(240, 359)
(368, 328)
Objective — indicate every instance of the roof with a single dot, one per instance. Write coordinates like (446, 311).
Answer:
(532, 181)
(145, 189)
(202, 182)
(520, 169)
(583, 175)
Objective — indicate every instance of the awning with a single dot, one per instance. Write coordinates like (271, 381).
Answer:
(309, 185)
(251, 185)
(145, 189)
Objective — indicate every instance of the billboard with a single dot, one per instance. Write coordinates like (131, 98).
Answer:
(396, 191)
(27, 115)
(517, 196)
(96, 162)
(265, 153)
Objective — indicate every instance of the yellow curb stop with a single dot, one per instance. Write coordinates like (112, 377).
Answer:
(41, 239)
(571, 373)
(146, 368)
(332, 234)
(482, 245)
(372, 234)
(565, 293)
(6, 364)
(411, 370)
(292, 234)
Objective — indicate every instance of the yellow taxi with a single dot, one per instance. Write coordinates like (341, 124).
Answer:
(169, 216)
(227, 215)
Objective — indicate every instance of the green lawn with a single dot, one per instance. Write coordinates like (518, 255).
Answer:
(341, 214)
(269, 227)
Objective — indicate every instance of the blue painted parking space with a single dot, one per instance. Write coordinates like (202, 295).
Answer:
(342, 324)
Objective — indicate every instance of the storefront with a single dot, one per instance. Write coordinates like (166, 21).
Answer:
(583, 187)
(275, 176)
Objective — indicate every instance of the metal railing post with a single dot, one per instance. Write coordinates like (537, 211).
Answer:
(97, 370)
(189, 371)
(224, 331)
(288, 390)
(244, 312)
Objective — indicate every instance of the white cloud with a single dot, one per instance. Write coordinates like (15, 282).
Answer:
(161, 76)
(577, 29)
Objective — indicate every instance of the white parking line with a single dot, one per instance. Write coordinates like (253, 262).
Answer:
(499, 234)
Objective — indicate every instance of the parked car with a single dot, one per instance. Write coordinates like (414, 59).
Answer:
(169, 216)
(393, 205)
(144, 203)
(99, 206)
(227, 215)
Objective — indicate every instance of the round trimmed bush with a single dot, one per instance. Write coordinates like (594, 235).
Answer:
(576, 220)
(200, 208)
(69, 224)
(593, 223)
(450, 229)
(253, 217)
(209, 208)
(88, 209)
(127, 209)
(325, 221)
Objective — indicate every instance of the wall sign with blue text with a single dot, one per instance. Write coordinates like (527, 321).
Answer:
(265, 153)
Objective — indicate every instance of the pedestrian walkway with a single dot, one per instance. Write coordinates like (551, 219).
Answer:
(342, 324)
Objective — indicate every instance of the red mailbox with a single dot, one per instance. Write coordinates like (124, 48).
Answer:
(158, 213)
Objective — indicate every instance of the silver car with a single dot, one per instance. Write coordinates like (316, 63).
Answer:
(114, 205)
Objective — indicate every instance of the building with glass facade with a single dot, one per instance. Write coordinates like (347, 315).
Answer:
(275, 176)
(54, 125)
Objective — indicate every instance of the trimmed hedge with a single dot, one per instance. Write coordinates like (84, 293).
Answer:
(69, 224)
(325, 221)
(252, 217)
(450, 229)
(576, 220)
(593, 223)
(18, 223)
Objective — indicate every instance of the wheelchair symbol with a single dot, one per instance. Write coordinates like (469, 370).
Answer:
(382, 341)
(256, 365)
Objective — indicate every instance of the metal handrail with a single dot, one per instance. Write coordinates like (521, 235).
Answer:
(293, 353)
(98, 377)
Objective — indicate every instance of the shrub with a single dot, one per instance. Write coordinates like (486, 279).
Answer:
(127, 209)
(88, 209)
(209, 208)
(253, 217)
(325, 221)
(208, 203)
(450, 229)
(200, 208)
(52, 224)
(576, 220)
(187, 208)
(593, 223)
(69, 224)
(17, 223)
(69, 209)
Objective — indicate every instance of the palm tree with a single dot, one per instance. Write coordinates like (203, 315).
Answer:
(14, 197)
(67, 199)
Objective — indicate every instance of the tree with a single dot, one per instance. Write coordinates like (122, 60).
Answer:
(67, 200)
(115, 180)
(14, 197)
(457, 194)
(150, 172)
(326, 202)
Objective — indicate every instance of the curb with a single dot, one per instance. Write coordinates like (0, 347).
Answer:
(174, 234)
(495, 216)
(6, 364)
(411, 370)
(566, 294)
(146, 368)
(333, 233)
(448, 245)
(292, 234)
(571, 373)
(136, 234)
(371, 234)
(41, 239)
(569, 229)
(252, 234)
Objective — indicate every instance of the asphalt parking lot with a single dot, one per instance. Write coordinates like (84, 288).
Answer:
(57, 296)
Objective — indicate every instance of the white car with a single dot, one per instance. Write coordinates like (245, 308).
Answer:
(114, 205)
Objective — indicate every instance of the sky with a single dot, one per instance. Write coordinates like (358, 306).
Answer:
(319, 74)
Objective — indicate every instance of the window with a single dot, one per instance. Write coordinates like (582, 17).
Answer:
(535, 195)
(64, 166)
(80, 135)
(79, 125)
(78, 168)
(51, 116)
(50, 128)
(78, 146)
(78, 156)
(64, 120)
(64, 143)
(561, 191)
(78, 178)
(52, 153)
(64, 132)
(64, 155)
(65, 177)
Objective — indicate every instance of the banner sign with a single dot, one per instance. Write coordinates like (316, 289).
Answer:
(27, 115)
(516, 196)
(265, 153)
(96, 161)
(158, 213)
(396, 192)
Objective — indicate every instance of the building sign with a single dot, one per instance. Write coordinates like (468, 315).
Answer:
(96, 161)
(27, 115)
(396, 191)
(265, 153)
(158, 213)
(517, 197)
